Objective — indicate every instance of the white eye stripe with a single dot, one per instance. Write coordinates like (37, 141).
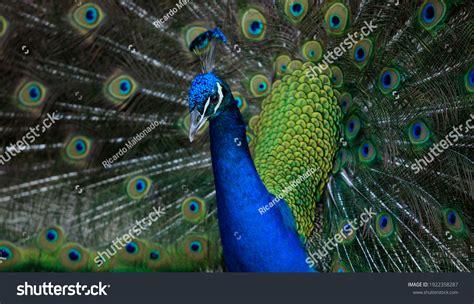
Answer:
(221, 97)
(206, 105)
(203, 116)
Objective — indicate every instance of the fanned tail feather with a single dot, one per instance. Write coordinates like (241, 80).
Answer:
(105, 72)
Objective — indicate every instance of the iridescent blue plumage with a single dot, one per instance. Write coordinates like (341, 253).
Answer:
(203, 39)
(203, 86)
(269, 242)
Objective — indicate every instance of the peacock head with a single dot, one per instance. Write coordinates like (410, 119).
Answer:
(208, 97)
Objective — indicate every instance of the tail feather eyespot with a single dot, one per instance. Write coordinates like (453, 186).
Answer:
(138, 187)
(418, 133)
(78, 148)
(31, 94)
(194, 209)
(51, 238)
(367, 152)
(389, 80)
(254, 25)
(259, 85)
(384, 225)
(453, 221)
(362, 52)
(312, 50)
(296, 10)
(73, 257)
(431, 13)
(336, 18)
(120, 87)
(87, 17)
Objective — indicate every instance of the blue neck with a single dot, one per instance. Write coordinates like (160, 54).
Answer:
(251, 241)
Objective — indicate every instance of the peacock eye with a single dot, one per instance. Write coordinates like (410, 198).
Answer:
(336, 18)
(259, 85)
(389, 79)
(337, 76)
(345, 101)
(367, 152)
(352, 127)
(453, 221)
(74, 255)
(52, 235)
(131, 248)
(296, 10)
(31, 94)
(312, 51)
(281, 64)
(51, 238)
(253, 25)
(202, 44)
(119, 88)
(5, 252)
(195, 247)
(78, 147)
(155, 255)
(385, 226)
(138, 187)
(214, 99)
(362, 53)
(419, 133)
(194, 209)
(87, 16)
(250, 138)
(431, 13)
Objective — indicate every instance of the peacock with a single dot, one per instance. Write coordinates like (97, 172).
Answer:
(264, 136)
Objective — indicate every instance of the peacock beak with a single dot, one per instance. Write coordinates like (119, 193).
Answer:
(197, 121)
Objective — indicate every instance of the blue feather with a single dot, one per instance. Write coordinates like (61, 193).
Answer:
(268, 242)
